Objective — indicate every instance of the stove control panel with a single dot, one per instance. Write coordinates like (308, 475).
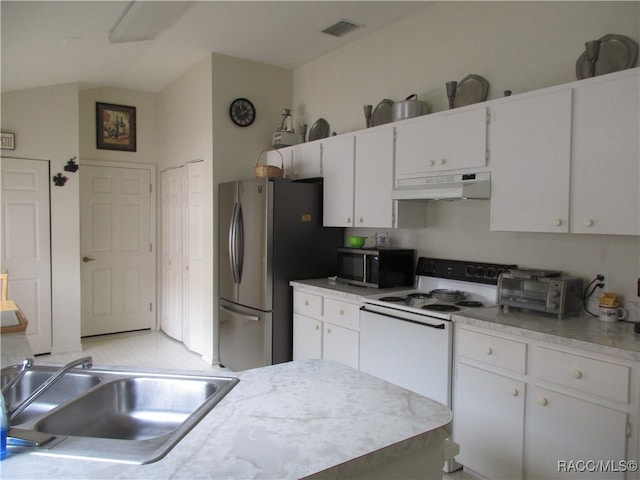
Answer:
(477, 272)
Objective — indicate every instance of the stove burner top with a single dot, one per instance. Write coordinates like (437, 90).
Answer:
(439, 307)
(392, 299)
(470, 303)
(419, 295)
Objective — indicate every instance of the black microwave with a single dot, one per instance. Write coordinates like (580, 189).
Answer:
(378, 268)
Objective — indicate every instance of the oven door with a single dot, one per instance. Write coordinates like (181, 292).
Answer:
(410, 350)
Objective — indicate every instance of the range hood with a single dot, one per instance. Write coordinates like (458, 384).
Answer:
(444, 187)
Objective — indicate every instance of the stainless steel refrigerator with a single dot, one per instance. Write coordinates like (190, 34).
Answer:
(270, 233)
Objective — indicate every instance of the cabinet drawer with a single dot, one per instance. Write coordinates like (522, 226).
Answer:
(342, 313)
(497, 351)
(605, 379)
(307, 304)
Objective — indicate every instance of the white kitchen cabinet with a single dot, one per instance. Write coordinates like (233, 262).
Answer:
(374, 179)
(606, 160)
(338, 181)
(306, 160)
(490, 439)
(560, 427)
(281, 157)
(358, 179)
(300, 161)
(340, 344)
(489, 403)
(530, 153)
(307, 337)
(325, 327)
(441, 142)
(524, 406)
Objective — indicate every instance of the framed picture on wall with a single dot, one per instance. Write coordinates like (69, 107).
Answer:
(115, 127)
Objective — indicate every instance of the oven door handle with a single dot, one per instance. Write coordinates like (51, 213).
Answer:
(440, 326)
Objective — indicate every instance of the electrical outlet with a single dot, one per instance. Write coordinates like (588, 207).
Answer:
(605, 281)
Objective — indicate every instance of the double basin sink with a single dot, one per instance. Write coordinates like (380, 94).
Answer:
(117, 415)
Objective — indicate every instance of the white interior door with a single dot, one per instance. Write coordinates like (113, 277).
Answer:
(116, 237)
(196, 258)
(172, 185)
(184, 254)
(26, 244)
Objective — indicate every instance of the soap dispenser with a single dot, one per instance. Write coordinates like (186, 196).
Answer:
(4, 428)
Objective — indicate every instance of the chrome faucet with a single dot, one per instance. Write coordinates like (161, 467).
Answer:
(27, 363)
(85, 362)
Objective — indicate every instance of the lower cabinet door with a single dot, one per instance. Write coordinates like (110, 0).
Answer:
(307, 337)
(567, 437)
(341, 344)
(488, 422)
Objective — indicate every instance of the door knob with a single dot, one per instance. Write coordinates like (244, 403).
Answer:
(87, 259)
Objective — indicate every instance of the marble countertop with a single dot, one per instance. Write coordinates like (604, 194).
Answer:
(582, 332)
(289, 420)
(340, 289)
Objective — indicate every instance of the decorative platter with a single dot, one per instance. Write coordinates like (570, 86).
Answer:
(382, 113)
(319, 130)
(471, 89)
(617, 52)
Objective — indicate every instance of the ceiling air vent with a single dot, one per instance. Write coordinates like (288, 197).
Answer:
(341, 28)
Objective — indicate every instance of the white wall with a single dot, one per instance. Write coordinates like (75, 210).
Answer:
(520, 46)
(45, 121)
(147, 146)
(235, 149)
(184, 112)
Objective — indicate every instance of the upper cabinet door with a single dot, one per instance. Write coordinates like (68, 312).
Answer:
(338, 180)
(450, 141)
(530, 151)
(374, 179)
(605, 164)
(306, 160)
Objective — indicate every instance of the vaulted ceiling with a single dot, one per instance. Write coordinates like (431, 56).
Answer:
(53, 42)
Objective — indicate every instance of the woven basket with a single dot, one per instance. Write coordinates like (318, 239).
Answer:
(266, 171)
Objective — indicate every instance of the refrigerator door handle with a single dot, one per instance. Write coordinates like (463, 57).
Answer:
(236, 243)
(241, 315)
(240, 244)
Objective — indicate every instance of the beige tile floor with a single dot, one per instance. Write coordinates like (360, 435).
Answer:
(148, 349)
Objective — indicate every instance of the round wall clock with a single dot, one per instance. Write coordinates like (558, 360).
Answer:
(242, 112)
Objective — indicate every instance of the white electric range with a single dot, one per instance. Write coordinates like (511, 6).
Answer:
(406, 337)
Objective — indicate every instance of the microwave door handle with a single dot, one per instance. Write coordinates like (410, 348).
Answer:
(364, 269)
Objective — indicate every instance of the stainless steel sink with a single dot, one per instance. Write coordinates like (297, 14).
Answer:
(123, 416)
(70, 386)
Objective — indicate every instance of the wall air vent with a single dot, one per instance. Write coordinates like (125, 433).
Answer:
(341, 28)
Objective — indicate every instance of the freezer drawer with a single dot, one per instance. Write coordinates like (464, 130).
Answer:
(244, 336)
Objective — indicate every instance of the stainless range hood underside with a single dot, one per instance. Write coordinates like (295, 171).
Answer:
(443, 187)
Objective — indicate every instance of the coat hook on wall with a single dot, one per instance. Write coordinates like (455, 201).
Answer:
(71, 166)
(59, 180)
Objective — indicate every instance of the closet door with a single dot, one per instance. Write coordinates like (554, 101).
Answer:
(173, 251)
(184, 254)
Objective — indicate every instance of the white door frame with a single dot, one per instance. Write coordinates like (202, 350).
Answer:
(153, 220)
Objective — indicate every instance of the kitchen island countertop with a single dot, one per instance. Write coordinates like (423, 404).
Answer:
(582, 332)
(291, 420)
